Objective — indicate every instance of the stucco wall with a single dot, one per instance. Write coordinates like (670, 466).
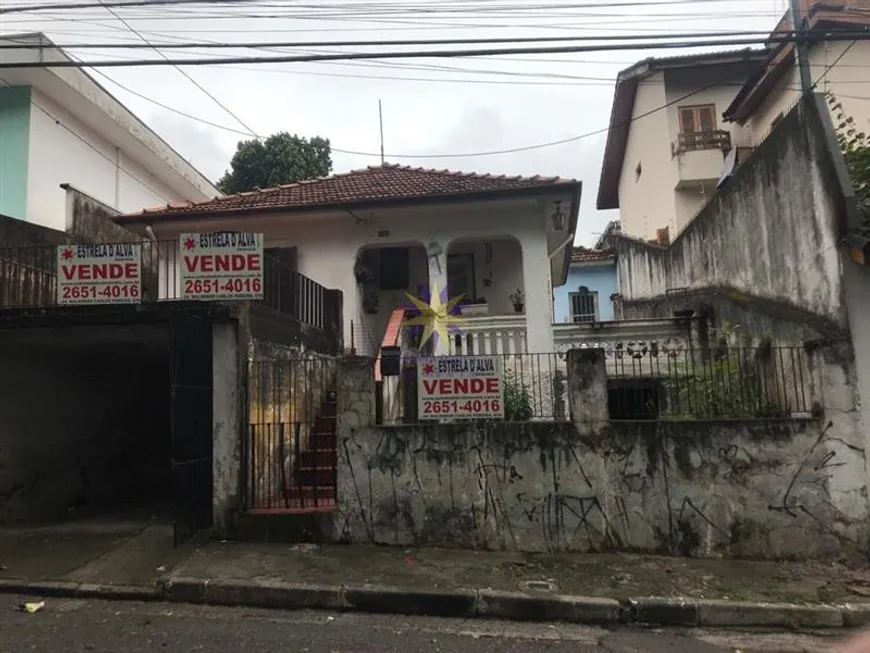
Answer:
(598, 278)
(770, 233)
(784, 488)
(744, 490)
(64, 150)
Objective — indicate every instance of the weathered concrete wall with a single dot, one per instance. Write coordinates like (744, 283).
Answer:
(18, 233)
(228, 429)
(90, 220)
(789, 488)
(771, 233)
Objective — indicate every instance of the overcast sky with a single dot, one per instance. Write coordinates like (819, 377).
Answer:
(430, 106)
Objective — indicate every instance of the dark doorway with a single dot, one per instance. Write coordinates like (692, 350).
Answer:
(191, 381)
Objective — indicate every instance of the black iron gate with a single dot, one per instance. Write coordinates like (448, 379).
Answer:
(192, 398)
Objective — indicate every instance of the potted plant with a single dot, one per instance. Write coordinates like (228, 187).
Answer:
(518, 299)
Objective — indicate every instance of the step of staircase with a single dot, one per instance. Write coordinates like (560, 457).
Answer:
(319, 457)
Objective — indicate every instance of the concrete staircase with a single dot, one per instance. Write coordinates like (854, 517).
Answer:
(312, 483)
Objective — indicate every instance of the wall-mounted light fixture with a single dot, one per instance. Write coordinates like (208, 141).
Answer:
(558, 217)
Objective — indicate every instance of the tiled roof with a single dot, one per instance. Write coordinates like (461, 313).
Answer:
(586, 255)
(376, 183)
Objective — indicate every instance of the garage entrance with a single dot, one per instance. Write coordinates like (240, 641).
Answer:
(107, 420)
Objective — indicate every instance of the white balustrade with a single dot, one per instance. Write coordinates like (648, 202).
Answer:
(491, 334)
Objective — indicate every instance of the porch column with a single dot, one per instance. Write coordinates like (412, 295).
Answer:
(436, 251)
(538, 293)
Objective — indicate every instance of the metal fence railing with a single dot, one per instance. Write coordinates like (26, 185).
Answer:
(291, 448)
(28, 279)
(715, 383)
(643, 382)
(535, 389)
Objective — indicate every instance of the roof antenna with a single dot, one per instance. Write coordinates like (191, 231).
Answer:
(381, 121)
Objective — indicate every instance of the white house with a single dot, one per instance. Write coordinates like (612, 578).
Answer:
(381, 232)
(666, 146)
(836, 67)
(59, 126)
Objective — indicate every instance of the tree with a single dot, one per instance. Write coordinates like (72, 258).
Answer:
(280, 159)
(856, 150)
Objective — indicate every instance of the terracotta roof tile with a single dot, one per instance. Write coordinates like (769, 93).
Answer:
(385, 182)
(586, 255)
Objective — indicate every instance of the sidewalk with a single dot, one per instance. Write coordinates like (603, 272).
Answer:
(594, 588)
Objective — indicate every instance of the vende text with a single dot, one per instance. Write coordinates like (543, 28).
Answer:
(222, 262)
(461, 386)
(97, 271)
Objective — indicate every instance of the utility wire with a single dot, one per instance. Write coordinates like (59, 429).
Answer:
(301, 44)
(129, 3)
(439, 54)
(183, 73)
(176, 3)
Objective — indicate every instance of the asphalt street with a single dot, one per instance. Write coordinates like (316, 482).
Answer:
(81, 625)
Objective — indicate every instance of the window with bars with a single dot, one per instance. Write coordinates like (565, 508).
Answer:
(584, 306)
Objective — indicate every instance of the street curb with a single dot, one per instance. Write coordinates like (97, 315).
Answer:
(73, 590)
(464, 603)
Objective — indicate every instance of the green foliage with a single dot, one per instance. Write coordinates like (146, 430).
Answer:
(856, 150)
(280, 159)
(517, 399)
(730, 384)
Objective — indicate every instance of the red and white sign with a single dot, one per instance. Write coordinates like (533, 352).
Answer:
(104, 273)
(221, 266)
(463, 387)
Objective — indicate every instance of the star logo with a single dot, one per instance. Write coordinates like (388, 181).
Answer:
(436, 316)
(428, 369)
(189, 244)
(67, 254)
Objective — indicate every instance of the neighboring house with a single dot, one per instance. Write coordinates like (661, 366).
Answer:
(838, 67)
(667, 145)
(59, 126)
(380, 233)
(586, 295)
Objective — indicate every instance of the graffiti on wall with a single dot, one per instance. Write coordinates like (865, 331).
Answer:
(689, 489)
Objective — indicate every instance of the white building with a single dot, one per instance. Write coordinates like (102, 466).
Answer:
(836, 67)
(59, 126)
(667, 143)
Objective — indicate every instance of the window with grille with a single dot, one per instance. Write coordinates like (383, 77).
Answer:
(584, 306)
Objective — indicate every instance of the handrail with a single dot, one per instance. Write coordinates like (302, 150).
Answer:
(391, 337)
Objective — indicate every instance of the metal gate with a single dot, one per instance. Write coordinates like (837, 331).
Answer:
(192, 398)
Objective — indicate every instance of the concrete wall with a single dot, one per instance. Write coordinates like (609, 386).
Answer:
(228, 426)
(771, 233)
(598, 278)
(789, 488)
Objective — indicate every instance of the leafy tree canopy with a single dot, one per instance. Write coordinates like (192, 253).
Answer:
(280, 159)
(856, 150)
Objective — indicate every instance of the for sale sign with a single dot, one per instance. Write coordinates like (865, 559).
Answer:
(221, 266)
(99, 274)
(464, 387)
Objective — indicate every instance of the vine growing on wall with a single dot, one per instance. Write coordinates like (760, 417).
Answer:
(855, 145)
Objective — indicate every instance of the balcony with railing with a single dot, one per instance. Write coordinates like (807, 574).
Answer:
(29, 279)
(700, 156)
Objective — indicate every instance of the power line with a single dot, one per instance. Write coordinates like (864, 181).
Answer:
(126, 3)
(438, 54)
(301, 44)
(183, 73)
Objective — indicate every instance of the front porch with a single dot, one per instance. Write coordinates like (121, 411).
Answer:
(485, 281)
